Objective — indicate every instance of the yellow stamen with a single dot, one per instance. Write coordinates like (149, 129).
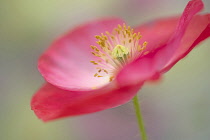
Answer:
(111, 78)
(106, 71)
(94, 87)
(145, 53)
(145, 43)
(117, 49)
(95, 74)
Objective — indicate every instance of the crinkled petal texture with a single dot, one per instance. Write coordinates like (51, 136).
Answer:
(69, 74)
(169, 40)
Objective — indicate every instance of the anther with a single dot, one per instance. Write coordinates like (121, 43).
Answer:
(117, 48)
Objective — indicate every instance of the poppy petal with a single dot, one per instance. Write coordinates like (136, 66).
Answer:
(51, 102)
(149, 66)
(158, 32)
(198, 30)
(66, 63)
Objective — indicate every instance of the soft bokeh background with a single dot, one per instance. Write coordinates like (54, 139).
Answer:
(177, 108)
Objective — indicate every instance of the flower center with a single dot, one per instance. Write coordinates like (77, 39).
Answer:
(116, 49)
(120, 51)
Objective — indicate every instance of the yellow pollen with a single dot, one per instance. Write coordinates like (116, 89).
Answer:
(116, 49)
(111, 78)
(145, 53)
(94, 87)
(106, 71)
(95, 74)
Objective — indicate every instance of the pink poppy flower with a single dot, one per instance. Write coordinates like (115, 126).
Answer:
(103, 64)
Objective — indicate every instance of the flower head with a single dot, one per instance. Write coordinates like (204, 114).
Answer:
(103, 64)
(116, 49)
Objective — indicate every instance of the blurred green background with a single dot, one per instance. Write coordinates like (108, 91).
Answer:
(176, 108)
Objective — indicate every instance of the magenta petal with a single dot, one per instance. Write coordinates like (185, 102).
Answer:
(51, 102)
(150, 65)
(67, 64)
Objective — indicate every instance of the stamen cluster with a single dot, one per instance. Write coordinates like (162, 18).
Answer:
(116, 49)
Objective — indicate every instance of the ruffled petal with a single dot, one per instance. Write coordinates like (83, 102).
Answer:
(67, 64)
(150, 65)
(51, 102)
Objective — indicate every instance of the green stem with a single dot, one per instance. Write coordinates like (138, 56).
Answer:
(139, 117)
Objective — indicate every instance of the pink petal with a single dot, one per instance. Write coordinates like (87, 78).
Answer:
(198, 30)
(149, 66)
(158, 32)
(187, 19)
(51, 102)
(67, 62)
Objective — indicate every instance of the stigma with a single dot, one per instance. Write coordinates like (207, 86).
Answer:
(116, 49)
